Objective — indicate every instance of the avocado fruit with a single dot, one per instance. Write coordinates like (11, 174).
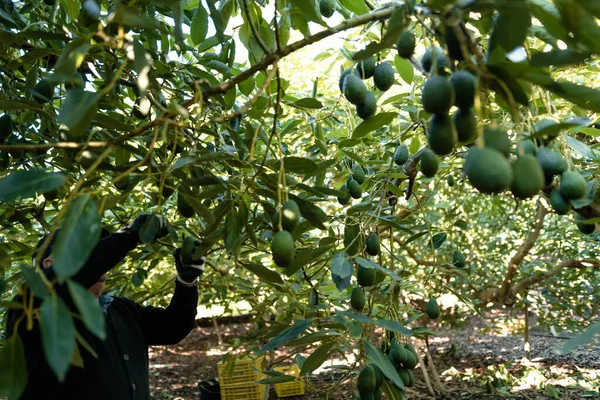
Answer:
(429, 163)
(551, 161)
(572, 185)
(282, 249)
(6, 127)
(366, 382)
(366, 67)
(358, 174)
(327, 8)
(497, 139)
(528, 177)
(405, 44)
(441, 60)
(441, 134)
(586, 229)
(383, 76)
(353, 239)
(355, 90)
(355, 189)
(465, 124)
(373, 246)
(464, 84)
(183, 207)
(432, 309)
(345, 198)
(526, 146)
(437, 95)
(290, 215)
(488, 170)
(368, 108)
(401, 155)
(43, 91)
(559, 203)
(357, 299)
(365, 276)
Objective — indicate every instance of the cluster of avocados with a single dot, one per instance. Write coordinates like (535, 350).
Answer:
(354, 89)
(403, 357)
(369, 382)
(352, 187)
(282, 244)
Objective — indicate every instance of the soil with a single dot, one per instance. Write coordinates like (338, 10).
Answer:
(480, 360)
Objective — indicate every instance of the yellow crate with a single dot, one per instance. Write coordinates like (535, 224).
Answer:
(243, 372)
(293, 388)
(244, 391)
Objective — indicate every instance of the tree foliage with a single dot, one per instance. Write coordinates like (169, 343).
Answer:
(217, 113)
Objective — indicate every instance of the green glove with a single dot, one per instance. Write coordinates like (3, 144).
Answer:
(149, 227)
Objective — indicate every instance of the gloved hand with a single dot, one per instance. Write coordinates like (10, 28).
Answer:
(188, 272)
(149, 227)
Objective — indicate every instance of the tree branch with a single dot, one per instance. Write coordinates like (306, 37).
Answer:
(413, 255)
(540, 276)
(284, 51)
(523, 250)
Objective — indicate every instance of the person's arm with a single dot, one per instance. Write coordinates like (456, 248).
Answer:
(170, 325)
(109, 252)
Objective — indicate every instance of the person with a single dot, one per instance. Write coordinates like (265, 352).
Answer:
(119, 367)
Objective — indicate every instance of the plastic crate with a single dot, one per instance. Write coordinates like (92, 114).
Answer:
(293, 388)
(244, 391)
(243, 372)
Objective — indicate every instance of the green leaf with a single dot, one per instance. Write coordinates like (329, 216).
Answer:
(108, 122)
(405, 69)
(34, 281)
(30, 56)
(70, 59)
(358, 7)
(263, 273)
(510, 26)
(393, 326)
(89, 308)
(392, 392)
(13, 368)
(383, 363)
(25, 184)
(314, 337)
(317, 358)
(370, 264)
(276, 379)
(313, 213)
(558, 58)
(340, 266)
(199, 26)
(582, 96)
(18, 104)
(308, 102)
(77, 237)
(309, 10)
(289, 333)
(437, 240)
(373, 123)
(58, 335)
(78, 111)
(300, 165)
(584, 338)
(549, 16)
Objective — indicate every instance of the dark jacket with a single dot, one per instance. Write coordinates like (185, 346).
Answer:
(120, 370)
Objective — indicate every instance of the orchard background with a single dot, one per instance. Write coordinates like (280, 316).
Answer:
(216, 113)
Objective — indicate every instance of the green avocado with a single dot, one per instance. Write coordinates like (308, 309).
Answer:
(441, 134)
(343, 200)
(366, 382)
(282, 249)
(466, 125)
(401, 155)
(358, 174)
(572, 185)
(43, 91)
(526, 147)
(437, 95)
(551, 161)
(488, 170)
(528, 177)
(290, 216)
(559, 203)
(383, 76)
(464, 84)
(327, 8)
(429, 163)
(184, 208)
(355, 189)
(6, 126)
(497, 139)
(353, 239)
(586, 229)
(433, 309)
(405, 44)
(365, 276)
(355, 90)
(441, 60)
(450, 180)
(357, 299)
(368, 108)
(373, 246)
(366, 67)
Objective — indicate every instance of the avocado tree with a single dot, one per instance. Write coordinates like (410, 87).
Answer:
(443, 147)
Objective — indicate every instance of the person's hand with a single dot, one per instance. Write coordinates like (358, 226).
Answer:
(149, 227)
(188, 268)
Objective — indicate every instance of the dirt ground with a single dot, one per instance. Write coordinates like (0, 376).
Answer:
(472, 363)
